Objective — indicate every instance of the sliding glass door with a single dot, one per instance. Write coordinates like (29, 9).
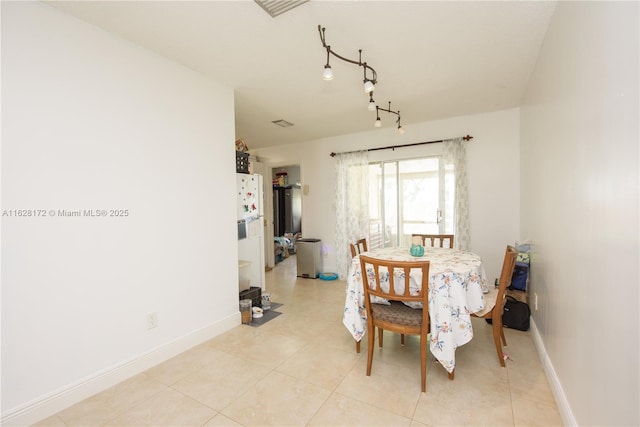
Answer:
(406, 197)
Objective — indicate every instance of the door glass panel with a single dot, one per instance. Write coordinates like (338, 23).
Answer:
(406, 197)
(377, 235)
(446, 226)
(390, 197)
(419, 204)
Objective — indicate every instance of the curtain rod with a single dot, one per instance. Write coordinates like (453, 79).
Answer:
(393, 147)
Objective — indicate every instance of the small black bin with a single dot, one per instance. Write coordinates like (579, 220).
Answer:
(242, 162)
(254, 293)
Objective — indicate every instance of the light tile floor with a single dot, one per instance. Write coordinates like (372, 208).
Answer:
(301, 368)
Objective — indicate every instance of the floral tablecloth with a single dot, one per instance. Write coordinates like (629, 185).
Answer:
(457, 284)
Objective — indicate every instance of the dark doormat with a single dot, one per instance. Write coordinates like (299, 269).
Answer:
(266, 315)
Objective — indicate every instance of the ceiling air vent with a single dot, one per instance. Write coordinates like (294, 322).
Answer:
(282, 123)
(278, 7)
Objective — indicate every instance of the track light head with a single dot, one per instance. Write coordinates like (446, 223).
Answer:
(372, 103)
(327, 74)
(400, 128)
(378, 122)
(368, 86)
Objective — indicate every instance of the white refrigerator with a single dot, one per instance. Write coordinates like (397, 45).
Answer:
(250, 207)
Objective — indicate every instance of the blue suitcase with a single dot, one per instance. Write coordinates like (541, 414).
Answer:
(519, 277)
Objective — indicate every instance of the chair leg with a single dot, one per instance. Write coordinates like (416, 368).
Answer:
(401, 339)
(452, 374)
(370, 343)
(423, 362)
(381, 331)
(357, 346)
(498, 334)
(504, 340)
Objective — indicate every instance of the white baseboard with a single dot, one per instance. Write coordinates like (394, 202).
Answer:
(54, 402)
(556, 387)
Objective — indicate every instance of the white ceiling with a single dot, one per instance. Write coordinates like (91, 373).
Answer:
(433, 59)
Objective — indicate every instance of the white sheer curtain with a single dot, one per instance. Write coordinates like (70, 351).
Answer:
(454, 158)
(352, 204)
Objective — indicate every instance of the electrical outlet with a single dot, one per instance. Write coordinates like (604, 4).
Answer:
(152, 320)
(535, 301)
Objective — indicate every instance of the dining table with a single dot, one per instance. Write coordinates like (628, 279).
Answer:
(457, 285)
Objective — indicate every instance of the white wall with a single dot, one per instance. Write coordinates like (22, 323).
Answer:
(492, 161)
(92, 122)
(579, 194)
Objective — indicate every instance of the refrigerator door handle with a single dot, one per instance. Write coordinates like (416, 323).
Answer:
(242, 229)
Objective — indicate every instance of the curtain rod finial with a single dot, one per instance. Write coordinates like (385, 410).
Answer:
(467, 138)
(332, 154)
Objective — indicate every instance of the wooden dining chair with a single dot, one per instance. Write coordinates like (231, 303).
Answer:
(495, 299)
(396, 317)
(435, 239)
(358, 247)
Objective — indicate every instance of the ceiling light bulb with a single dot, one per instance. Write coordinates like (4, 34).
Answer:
(378, 122)
(327, 74)
(372, 105)
(368, 86)
(400, 130)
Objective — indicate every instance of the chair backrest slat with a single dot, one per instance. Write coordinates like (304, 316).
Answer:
(376, 272)
(407, 281)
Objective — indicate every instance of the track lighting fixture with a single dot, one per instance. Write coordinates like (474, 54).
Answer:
(378, 122)
(369, 81)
